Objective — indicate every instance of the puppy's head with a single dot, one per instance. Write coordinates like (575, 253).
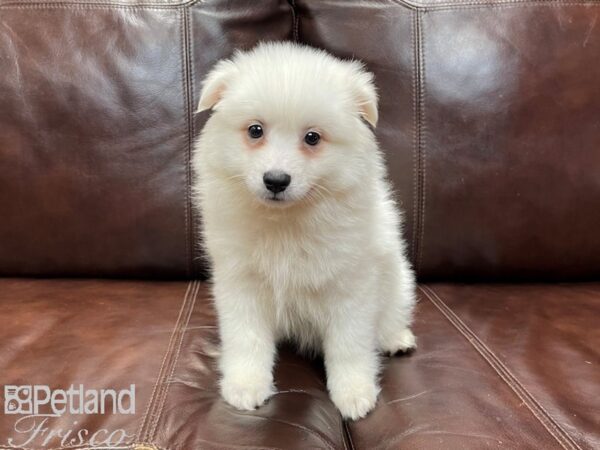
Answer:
(289, 122)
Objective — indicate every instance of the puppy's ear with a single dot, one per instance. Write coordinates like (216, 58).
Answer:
(215, 84)
(364, 92)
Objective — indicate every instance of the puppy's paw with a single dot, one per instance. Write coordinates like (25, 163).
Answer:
(247, 392)
(355, 399)
(403, 341)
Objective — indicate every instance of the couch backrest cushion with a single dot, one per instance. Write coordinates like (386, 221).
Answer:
(490, 118)
(96, 123)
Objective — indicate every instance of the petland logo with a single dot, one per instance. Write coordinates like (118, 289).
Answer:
(75, 400)
(39, 405)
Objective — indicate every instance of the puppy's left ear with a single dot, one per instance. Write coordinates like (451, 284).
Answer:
(365, 93)
(215, 84)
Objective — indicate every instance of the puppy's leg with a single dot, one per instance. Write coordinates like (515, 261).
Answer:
(247, 342)
(397, 296)
(351, 360)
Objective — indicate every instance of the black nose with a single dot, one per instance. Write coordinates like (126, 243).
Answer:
(276, 181)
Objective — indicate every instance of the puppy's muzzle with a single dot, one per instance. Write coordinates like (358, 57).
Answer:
(276, 181)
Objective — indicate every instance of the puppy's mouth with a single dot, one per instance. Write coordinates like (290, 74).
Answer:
(279, 197)
(284, 199)
(276, 200)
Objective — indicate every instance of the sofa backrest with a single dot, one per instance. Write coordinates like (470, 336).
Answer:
(96, 124)
(490, 119)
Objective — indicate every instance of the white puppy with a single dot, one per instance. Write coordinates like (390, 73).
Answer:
(299, 223)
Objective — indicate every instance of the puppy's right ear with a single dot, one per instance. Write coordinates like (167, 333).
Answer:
(215, 84)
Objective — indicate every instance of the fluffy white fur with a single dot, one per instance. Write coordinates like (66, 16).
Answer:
(325, 266)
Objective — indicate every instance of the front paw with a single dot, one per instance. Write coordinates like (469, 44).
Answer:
(355, 398)
(403, 341)
(247, 392)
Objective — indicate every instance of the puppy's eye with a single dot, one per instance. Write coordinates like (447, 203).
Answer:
(255, 131)
(312, 138)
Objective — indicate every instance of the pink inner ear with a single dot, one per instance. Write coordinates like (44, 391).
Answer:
(369, 111)
(211, 94)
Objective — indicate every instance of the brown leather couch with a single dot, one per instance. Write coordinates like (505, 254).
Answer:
(490, 118)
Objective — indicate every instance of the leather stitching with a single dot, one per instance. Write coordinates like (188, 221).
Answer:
(168, 380)
(132, 446)
(348, 436)
(186, 109)
(419, 144)
(506, 5)
(539, 412)
(194, 232)
(187, 92)
(415, 87)
(151, 403)
(295, 21)
(486, 3)
(75, 4)
(85, 6)
(441, 7)
(161, 6)
(422, 142)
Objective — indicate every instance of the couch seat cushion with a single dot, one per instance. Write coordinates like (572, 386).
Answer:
(162, 337)
(498, 366)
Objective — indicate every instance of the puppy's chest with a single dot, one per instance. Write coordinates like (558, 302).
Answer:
(293, 260)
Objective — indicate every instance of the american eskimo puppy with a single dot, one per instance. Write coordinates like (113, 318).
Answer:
(299, 223)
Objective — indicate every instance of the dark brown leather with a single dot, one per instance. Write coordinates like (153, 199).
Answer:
(545, 340)
(96, 125)
(160, 336)
(490, 117)
(498, 366)
(490, 111)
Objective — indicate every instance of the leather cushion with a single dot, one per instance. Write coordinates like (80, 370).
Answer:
(498, 366)
(96, 128)
(162, 337)
(490, 119)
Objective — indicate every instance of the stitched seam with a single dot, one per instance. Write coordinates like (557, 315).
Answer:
(160, 7)
(422, 142)
(415, 87)
(348, 435)
(67, 4)
(151, 402)
(195, 231)
(187, 111)
(540, 413)
(80, 6)
(533, 3)
(192, 134)
(163, 393)
(131, 446)
(419, 99)
(295, 21)
(168, 380)
(459, 5)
